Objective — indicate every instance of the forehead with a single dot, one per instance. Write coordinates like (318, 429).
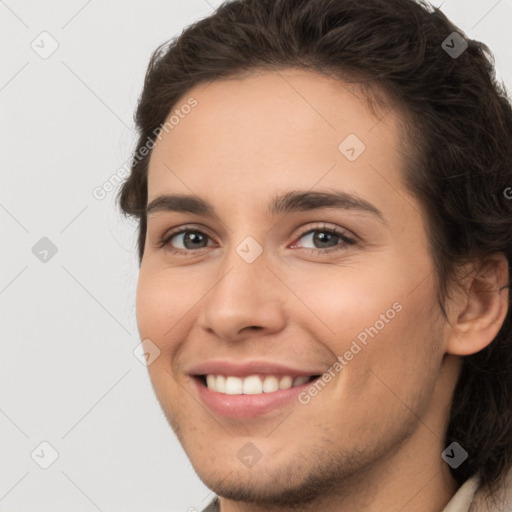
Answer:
(274, 125)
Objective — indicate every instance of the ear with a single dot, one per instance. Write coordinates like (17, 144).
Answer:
(478, 310)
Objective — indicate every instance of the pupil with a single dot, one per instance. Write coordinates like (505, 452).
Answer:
(324, 237)
(192, 236)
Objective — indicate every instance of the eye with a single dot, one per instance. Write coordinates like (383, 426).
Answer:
(326, 239)
(190, 238)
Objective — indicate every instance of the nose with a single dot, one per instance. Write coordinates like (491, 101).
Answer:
(245, 300)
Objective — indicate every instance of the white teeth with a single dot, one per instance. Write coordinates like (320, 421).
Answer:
(270, 384)
(220, 383)
(253, 384)
(285, 383)
(210, 381)
(233, 386)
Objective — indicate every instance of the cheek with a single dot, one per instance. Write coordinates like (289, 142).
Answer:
(159, 308)
(397, 364)
(344, 299)
(150, 303)
(379, 318)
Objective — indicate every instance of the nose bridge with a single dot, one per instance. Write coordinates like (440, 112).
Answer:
(243, 275)
(244, 262)
(243, 294)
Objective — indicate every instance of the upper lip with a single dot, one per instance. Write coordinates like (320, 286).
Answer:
(244, 369)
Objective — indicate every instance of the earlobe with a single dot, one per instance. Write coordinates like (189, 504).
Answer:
(480, 312)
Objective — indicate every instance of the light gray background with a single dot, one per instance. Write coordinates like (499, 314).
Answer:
(68, 373)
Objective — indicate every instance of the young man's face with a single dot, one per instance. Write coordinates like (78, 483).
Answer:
(284, 293)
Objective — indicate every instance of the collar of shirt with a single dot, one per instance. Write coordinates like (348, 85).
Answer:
(462, 499)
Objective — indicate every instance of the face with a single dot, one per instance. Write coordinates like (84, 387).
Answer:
(334, 289)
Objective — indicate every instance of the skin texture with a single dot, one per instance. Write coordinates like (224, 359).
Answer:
(372, 438)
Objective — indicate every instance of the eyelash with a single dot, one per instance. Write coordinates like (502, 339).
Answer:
(322, 229)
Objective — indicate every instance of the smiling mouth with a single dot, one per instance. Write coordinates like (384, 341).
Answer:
(252, 384)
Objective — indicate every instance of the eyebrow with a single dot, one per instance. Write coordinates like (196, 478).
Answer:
(293, 201)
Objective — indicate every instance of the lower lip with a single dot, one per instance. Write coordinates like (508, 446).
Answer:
(247, 406)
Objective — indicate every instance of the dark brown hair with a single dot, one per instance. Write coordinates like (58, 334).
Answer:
(459, 121)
